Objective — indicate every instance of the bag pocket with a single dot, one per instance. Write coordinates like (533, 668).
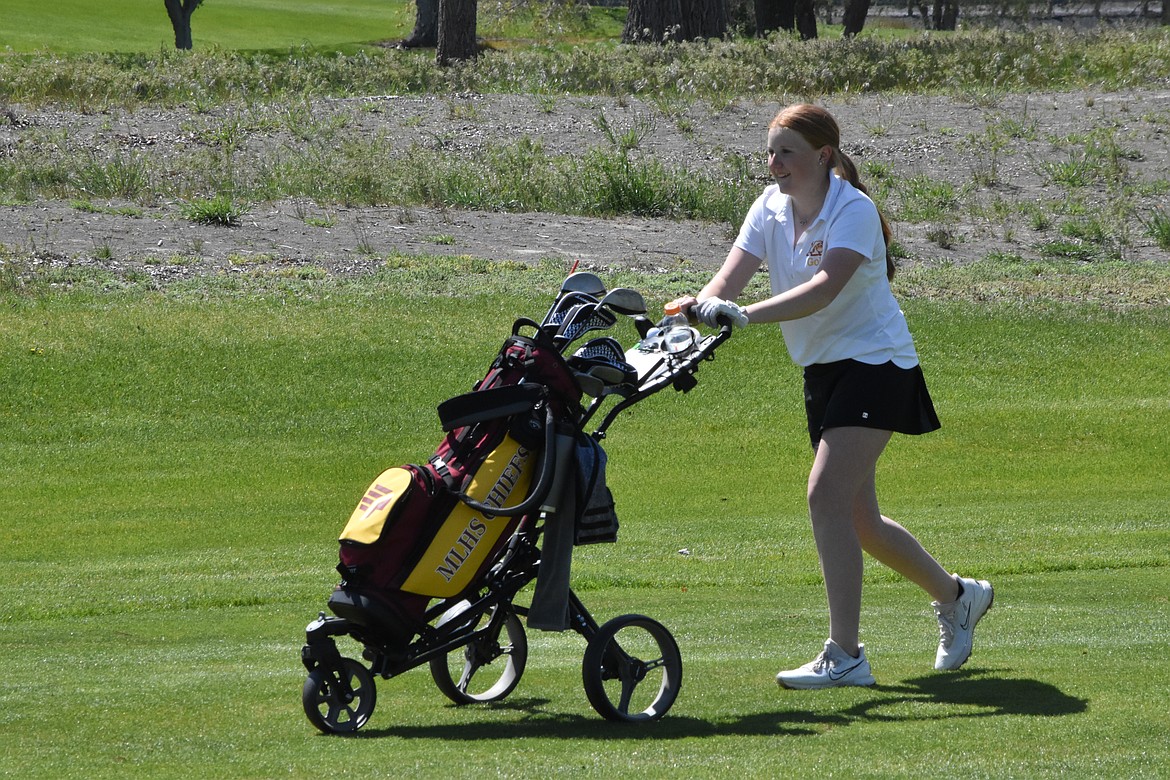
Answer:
(598, 524)
(376, 512)
(597, 520)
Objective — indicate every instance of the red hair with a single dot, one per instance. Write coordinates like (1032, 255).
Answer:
(820, 129)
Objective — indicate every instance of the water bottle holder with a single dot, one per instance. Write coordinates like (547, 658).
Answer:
(679, 340)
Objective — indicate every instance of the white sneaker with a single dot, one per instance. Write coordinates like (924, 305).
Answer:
(956, 622)
(832, 668)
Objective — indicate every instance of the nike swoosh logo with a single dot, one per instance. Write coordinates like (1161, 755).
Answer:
(837, 675)
(966, 618)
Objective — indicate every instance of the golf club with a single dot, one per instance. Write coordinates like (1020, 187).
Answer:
(604, 358)
(590, 385)
(557, 314)
(581, 282)
(580, 320)
(624, 300)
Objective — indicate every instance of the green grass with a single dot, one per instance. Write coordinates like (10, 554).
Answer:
(177, 465)
(1157, 226)
(137, 25)
(583, 58)
(219, 210)
(74, 26)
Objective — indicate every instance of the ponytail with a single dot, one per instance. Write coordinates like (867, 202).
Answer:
(848, 171)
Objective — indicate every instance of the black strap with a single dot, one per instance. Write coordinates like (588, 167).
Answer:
(524, 322)
(541, 483)
(490, 404)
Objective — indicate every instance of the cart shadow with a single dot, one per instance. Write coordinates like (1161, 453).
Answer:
(965, 694)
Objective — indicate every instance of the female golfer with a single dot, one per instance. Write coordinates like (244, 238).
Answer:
(824, 244)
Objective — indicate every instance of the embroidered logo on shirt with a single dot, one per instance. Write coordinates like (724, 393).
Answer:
(813, 259)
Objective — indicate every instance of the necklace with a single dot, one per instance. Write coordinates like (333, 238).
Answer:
(803, 221)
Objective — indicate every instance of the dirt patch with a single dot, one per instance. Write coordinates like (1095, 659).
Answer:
(995, 164)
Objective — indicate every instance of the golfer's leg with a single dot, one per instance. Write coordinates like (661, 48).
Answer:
(844, 465)
(894, 546)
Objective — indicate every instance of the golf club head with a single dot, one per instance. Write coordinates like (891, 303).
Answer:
(580, 320)
(602, 348)
(590, 385)
(556, 315)
(584, 282)
(624, 300)
(603, 358)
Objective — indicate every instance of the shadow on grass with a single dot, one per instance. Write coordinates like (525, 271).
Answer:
(966, 694)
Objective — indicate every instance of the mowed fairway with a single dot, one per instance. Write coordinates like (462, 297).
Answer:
(139, 25)
(175, 468)
(176, 462)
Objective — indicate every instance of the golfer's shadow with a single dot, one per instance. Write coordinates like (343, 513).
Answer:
(965, 694)
(968, 694)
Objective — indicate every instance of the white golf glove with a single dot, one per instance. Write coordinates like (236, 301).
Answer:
(710, 310)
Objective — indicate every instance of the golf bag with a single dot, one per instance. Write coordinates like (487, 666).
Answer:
(430, 530)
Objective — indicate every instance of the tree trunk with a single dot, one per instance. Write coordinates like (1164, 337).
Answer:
(772, 15)
(704, 19)
(1165, 11)
(946, 14)
(180, 13)
(854, 17)
(653, 21)
(456, 31)
(426, 26)
(806, 19)
(951, 17)
(658, 21)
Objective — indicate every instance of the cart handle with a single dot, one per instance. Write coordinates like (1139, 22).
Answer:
(680, 374)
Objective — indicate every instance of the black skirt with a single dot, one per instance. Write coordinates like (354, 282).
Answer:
(852, 393)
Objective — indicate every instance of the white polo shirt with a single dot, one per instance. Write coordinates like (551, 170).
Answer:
(864, 321)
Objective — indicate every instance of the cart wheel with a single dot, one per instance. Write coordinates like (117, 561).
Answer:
(324, 705)
(632, 669)
(456, 673)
